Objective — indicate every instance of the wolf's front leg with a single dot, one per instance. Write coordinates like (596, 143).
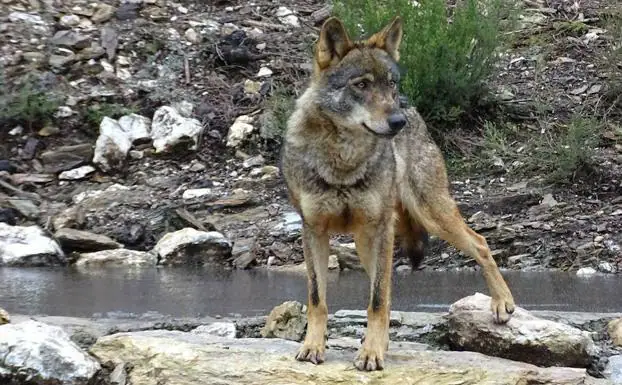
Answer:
(316, 251)
(374, 245)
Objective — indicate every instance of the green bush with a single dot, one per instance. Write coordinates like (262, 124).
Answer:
(447, 52)
(27, 105)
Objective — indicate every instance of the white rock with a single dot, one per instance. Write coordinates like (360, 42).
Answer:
(192, 36)
(16, 131)
(185, 108)
(15, 17)
(123, 74)
(170, 128)
(606, 267)
(64, 112)
(218, 329)
(137, 127)
(69, 20)
(112, 145)
(76, 173)
(586, 271)
(254, 161)
(78, 198)
(264, 72)
(190, 246)
(44, 352)
(28, 246)
(286, 16)
(240, 130)
(524, 337)
(333, 262)
(196, 193)
(117, 257)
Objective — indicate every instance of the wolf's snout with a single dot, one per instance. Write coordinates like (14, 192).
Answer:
(396, 121)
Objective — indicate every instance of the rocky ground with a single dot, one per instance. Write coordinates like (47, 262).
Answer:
(462, 346)
(164, 117)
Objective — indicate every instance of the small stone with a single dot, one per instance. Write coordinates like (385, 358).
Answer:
(70, 39)
(77, 173)
(287, 321)
(192, 36)
(64, 112)
(197, 167)
(16, 131)
(123, 61)
(196, 193)
(240, 130)
(253, 161)
(403, 269)
(28, 18)
(218, 329)
(61, 61)
(103, 13)
(48, 130)
(586, 271)
(599, 239)
(252, 87)
(333, 262)
(261, 46)
(192, 247)
(548, 201)
(286, 16)
(112, 145)
(264, 72)
(123, 74)
(182, 10)
(606, 267)
(69, 21)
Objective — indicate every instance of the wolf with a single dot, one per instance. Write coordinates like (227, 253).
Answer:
(355, 162)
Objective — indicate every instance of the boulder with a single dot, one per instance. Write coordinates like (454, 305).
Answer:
(192, 247)
(28, 246)
(117, 257)
(173, 357)
(42, 354)
(524, 338)
(288, 321)
(169, 128)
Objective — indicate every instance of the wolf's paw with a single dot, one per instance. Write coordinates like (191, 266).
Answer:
(370, 358)
(502, 309)
(312, 353)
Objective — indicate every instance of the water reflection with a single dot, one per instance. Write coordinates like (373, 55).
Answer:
(198, 292)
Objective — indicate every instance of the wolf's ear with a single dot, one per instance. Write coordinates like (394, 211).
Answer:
(390, 38)
(333, 44)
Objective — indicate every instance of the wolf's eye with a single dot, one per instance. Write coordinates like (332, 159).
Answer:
(392, 83)
(361, 85)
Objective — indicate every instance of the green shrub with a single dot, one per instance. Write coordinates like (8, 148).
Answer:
(447, 54)
(26, 105)
(277, 109)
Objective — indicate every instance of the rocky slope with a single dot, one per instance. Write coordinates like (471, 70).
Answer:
(169, 109)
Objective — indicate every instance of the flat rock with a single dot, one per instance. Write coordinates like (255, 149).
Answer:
(80, 240)
(77, 173)
(169, 357)
(43, 354)
(524, 338)
(240, 130)
(28, 246)
(104, 12)
(169, 128)
(287, 321)
(117, 257)
(191, 247)
(66, 157)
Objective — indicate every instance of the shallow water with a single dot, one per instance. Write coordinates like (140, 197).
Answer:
(199, 292)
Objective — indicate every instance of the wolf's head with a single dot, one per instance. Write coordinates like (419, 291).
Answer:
(357, 81)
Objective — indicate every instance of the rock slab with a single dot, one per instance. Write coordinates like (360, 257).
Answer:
(524, 338)
(37, 353)
(171, 357)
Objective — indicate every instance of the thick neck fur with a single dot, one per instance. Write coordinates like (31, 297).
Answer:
(341, 156)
